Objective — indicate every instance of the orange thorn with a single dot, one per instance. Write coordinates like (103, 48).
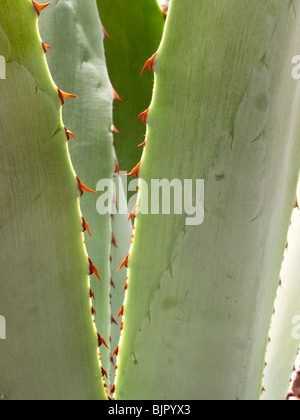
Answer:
(86, 226)
(83, 187)
(112, 389)
(136, 170)
(63, 96)
(117, 168)
(121, 312)
(39, 7)
(124, 263)
(117, 97)
(93, 312)
(115, 352)
(69, 134)
(115, 131)
(105, 33)
(143, 144)
(46, 47)
(113, 321)
(92, 296)
(93, 270)
(115, 202)
(101, 341)
(104, 373)
(113, 240)
(143, 116)
(149, 63)
(132, 215)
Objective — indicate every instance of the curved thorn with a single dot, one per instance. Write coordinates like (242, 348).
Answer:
(143, 116)
(69, 134)
(86, 226)
(92, 295)
(63, 96)
(115, 352)
(124, 263)
(83, 187)
(115, 202)
(132, 215)
(115, 131)
(117, 168)
(46, 47)
(105, 33)
(117, 97)
(113, 240)
(135, 171)
(149, 64)
(39, 7)
(112, 283)
(101, 341)
(93, 270)
(121, 312)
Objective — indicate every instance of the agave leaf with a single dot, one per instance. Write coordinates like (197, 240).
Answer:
(50, 351)
(135, 29)
(77, 60)
(225, 109)
(285, 328)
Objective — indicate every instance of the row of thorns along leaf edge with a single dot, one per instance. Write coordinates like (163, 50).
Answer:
(83, 188)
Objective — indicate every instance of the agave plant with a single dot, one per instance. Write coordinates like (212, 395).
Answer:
(107, 293)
